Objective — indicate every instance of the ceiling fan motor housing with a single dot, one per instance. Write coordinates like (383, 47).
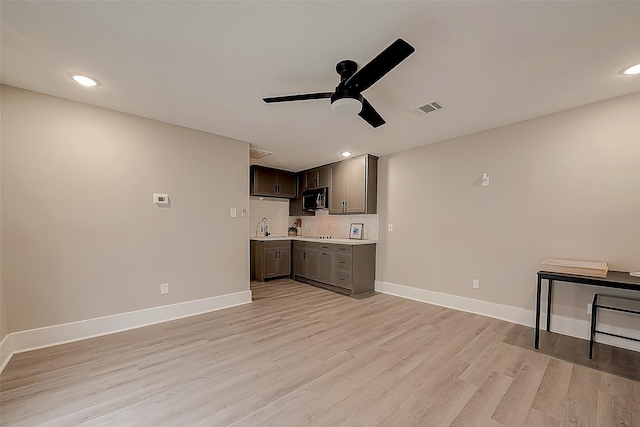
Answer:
(346, 69)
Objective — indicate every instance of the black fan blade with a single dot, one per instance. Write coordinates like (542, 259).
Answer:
(304, 97)
(370, 115)
(380, 65)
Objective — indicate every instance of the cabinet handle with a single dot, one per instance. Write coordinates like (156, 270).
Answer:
(323, 253)
(341, 278)
(341, 262)
(303, 255)
(345, 206)
(342, 249)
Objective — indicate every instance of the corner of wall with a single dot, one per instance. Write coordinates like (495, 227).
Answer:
(6, 351)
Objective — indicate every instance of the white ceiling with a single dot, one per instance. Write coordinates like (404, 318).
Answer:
(207, 65)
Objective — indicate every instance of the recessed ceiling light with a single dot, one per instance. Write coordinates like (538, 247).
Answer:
(346, 153)
(84, 80)
(633, 70)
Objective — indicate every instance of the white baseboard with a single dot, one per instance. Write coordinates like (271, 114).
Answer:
(559, 324)
(6, 351)
(33, 339)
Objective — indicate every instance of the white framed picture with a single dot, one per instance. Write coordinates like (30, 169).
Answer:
(356, 231)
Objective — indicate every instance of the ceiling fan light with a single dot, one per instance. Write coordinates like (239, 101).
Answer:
(346, 106)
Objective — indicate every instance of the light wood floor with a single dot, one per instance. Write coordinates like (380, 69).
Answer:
(300, 355)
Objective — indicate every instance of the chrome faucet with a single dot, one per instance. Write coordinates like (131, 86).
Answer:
(264, 227)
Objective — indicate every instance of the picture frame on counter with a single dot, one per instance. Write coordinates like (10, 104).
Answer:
(355, 231)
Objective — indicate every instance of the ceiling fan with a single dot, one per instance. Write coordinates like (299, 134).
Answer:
(347, 99)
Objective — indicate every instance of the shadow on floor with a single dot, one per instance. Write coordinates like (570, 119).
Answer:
(606, 358)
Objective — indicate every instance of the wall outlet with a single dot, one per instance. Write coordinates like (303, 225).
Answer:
(475, 284)
(390, 227)
(164, 288)
(589, 308)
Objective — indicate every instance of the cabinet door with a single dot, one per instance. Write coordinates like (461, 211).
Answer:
(312, 264)
(337, 192)
(287, 185)
(310, 179)
(322, 177)
(325, 267)
(270, 263)
(299, 259)
(356, 186)
(315, 178)
(265, 181)
(284, 261)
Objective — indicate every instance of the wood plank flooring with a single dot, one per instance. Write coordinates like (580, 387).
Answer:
(300, 355)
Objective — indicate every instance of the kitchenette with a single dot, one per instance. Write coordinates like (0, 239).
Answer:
(332, 209)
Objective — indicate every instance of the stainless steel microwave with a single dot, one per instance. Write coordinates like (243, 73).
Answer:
(314, 199)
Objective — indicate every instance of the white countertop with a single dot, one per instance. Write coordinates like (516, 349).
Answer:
(316, 239)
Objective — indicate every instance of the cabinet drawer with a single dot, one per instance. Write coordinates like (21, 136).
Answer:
(277, 244)
(342, 249)
(335, 248)
(342, 279)
(300, 244)
(343, 262)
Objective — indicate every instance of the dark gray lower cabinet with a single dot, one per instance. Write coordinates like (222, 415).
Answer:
(343, 268)
(270, 259)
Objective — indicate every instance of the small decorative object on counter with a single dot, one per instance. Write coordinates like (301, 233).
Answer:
(293, 230)
(298, 226)
(356, 231)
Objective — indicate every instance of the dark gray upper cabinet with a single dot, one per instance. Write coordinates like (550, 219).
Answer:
(315, 178)
(273, 183)
(354, 186)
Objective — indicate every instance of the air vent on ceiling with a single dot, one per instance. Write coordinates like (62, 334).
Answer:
(254, 153)
(432, 106)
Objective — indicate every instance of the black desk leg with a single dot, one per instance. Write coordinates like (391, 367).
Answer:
(549, 305)
(537, 339)
(594, 311)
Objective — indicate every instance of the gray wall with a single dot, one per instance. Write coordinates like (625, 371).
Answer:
(564, 185)
(4, 319)
(81, 237)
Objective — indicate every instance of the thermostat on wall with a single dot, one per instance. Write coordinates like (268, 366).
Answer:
(161, 200)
